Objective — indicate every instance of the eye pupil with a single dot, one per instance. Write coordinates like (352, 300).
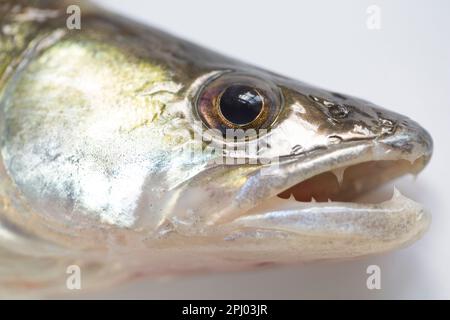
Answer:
(240, 104)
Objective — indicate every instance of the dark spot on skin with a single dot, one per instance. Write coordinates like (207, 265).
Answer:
(297, 149)
(51, 157)
(335, 110)
(386, 122)
(338, 111)
(180, 115)
(335, 139)
(388, 126)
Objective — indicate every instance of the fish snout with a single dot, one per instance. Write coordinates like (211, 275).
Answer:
(410, 139)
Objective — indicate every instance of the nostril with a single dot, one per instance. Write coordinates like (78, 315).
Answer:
(388, 126)
(409, 137)
(335, 110)
(338, 111)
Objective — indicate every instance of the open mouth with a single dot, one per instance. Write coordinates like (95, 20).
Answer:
(347, 184)
(350, 188)
(341, 176)
(329, 207)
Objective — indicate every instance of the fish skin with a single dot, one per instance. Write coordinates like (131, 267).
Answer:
(94, 124)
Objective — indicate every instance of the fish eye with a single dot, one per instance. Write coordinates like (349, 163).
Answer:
(240, 104)
(238, 101)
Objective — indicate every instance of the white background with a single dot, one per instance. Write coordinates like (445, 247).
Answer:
(404, 66)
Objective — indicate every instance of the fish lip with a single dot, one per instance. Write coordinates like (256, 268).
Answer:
(408, 142)
(330, 228)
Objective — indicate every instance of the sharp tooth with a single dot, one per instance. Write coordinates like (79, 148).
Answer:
(313, 200)
(396, 193)
(339, 173)
(329, 200)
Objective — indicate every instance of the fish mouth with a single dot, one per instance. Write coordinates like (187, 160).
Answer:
(347, 184)
(326, 201)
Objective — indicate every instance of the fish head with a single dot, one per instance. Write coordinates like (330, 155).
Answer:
(300, 173)
(135, 138)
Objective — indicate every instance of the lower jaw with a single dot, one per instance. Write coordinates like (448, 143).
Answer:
(329, 215)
